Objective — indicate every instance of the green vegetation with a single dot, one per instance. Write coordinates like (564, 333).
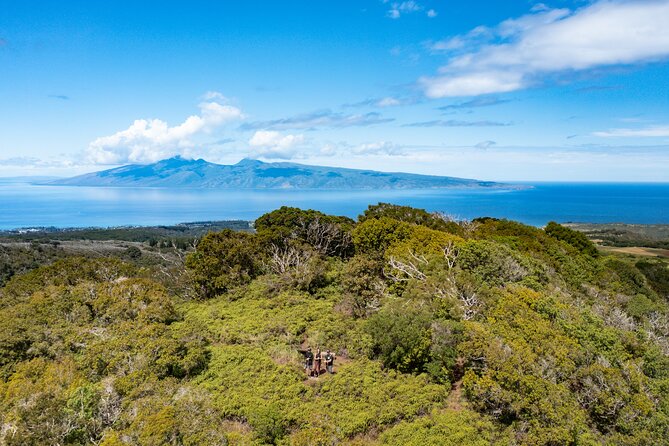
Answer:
(623, 235)
(446, 333)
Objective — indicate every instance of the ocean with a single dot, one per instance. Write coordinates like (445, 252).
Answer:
(24, 205)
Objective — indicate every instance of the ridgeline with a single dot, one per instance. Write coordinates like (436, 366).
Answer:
(254, 174)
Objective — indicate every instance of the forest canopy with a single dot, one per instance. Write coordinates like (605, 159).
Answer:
(444, 332)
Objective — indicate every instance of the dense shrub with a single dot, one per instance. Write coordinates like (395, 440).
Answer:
(411, 215)
(657, 274)
(328, 235)
(362, 285)
(410, 341)
(374, 236)
(224, 260)
(506, 334)
(574, 238)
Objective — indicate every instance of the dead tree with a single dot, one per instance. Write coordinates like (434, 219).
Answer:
(286, 258)
(412, 268)
(403, 271)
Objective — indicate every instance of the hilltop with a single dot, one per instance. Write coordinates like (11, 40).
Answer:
(484, 332)
(255, 174)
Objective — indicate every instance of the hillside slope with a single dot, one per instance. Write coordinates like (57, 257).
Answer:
(446, 333)
(248, 174)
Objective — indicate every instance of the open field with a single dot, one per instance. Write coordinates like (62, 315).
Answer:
(624, 235)
(637, 251)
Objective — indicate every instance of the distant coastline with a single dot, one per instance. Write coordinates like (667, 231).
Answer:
(34, 206)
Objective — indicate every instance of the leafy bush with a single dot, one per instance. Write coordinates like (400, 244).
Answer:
(411, 215)
(327, 234)
(574, 238)
(401, 339)
(224, 260)
(510, 335)
(657, 275)
(362, 285)
(443, 428)
(375, 235)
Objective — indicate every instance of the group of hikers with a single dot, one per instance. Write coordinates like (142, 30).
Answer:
(313, 362)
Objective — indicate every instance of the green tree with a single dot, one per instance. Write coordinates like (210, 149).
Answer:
(327, 234)
(574, 238)
(407, 214)
(224, 260)
(401, 338)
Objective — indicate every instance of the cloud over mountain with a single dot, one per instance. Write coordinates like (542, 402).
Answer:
(149, 140)
(271, 144)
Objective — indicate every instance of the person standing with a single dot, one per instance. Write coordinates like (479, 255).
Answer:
(318, 359)
(329, 361)
(309, 361)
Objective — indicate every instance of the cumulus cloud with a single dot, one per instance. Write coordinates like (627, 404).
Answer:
(431, 13)
(274, 145)
(650, 131)
(455, 123)
(149, 140)
(324, 118)
(520, 51)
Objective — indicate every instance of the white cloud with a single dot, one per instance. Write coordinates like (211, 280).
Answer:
(33, 162)
(387, 102)
(149, 140)
(483, 145)
(651, 131)
(604, 33)
(272, 144)
(398, 8)
(378, 148)
(476, 36)
(329, 150)
(214, 95)
(431, 13)
(319, 119)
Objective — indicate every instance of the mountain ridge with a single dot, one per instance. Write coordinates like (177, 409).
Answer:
(255, 174)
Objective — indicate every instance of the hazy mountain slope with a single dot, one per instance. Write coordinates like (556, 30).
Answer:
(179, 172)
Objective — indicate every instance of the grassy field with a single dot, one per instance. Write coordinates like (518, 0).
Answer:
(624, 235)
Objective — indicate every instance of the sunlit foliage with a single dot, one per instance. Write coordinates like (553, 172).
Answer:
(445, 333)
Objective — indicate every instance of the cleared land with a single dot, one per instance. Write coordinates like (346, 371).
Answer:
(623, 235)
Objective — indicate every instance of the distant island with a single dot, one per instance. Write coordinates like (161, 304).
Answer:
(254, 174)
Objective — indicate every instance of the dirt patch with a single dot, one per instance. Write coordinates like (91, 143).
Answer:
(638, 251)
(455, 400)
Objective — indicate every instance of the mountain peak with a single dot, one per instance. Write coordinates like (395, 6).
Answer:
(179, 161)
(249, 162)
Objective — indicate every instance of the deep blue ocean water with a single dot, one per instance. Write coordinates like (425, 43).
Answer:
(25, 205)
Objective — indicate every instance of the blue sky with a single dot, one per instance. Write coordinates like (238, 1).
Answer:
(521, 90)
